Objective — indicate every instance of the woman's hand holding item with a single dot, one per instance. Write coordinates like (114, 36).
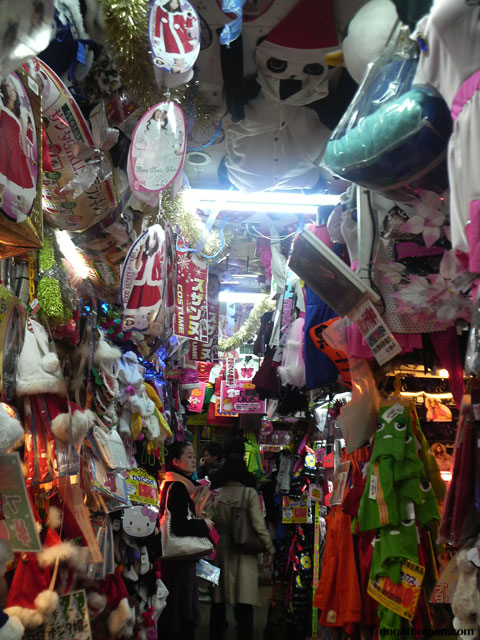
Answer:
(209, 523)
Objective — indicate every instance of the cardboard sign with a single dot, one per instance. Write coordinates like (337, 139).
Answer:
(18, 524)
(143, 280)
(376, 333)
(400, 598)
(142, 488)
(195, 402)
(444, 590)
(223, 413)
(66, 128)
(241, 397)
(208, 351)
(174, 33)
(191, 310)
(69, 620)
(294, 511)
(157, 150)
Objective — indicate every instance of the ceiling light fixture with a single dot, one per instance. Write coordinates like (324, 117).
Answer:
(263, 201)
(240, 297)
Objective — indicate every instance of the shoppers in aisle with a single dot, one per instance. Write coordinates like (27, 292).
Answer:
(238, 571)
(211, 461)
(182, 612)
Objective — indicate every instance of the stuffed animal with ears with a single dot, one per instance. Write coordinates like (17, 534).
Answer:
(282, 119)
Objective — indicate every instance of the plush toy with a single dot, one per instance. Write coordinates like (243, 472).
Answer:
(277, 139)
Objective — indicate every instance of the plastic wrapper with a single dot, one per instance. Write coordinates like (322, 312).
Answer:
(79, 158)
(12, 322)
(208, 572)
(394, 134)
(21, 225)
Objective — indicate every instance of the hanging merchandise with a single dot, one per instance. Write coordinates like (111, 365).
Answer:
(208, 351)
(393, 137)
(79, 190)
(157, 151)
(191, 308)
(143, 280)
(12, 322)
(27, 29)
(276, 139)
(174, 33)
(21, 227)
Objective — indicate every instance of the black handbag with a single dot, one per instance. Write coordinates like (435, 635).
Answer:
(244, 537)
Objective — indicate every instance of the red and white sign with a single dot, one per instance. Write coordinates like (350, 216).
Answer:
(191, 310)
(208, 351)
(241, 397)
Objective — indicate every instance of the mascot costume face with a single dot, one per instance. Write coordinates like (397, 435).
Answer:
(279, 141)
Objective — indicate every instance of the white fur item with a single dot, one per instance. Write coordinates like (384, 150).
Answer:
(74, 429)
(120, 618)
(105, 353)
(75, 556)
(45, 604)
(11, 431)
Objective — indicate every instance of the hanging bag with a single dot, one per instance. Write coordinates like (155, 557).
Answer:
(181, 548)
(244, 537)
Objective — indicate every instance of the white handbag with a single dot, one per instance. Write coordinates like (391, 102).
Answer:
(181, 548)
(111, 447)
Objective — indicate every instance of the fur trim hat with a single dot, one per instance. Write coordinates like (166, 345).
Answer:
(30, 598)
(121, 616)
(68, 426)
(38, 368)
(11, 431)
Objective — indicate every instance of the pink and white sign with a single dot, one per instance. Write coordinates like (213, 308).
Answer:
(241, 397)
(174, 32)
(157, 151)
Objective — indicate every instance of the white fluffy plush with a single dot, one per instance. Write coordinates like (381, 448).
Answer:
(54, 518)
(67, 551)
(11, 431)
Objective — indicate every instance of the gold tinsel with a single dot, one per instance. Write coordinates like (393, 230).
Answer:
(126, 29)
(191, 225)
(250, 327)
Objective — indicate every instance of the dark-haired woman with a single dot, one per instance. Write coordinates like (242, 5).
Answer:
(13, 161)
(182, 612)
(238, 571)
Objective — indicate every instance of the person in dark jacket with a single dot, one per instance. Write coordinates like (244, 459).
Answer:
(211, 461)
(182, 612)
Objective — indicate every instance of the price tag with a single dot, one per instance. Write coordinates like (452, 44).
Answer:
(372, 493)
(393, 412)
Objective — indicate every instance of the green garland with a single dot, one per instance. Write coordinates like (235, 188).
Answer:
(250, 327)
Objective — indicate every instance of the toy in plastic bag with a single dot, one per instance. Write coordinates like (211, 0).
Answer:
(394, 135)
(208, 572)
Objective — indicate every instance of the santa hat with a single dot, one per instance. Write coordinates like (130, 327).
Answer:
(310, 25)
(11, 431)
(30, 598)
(121, 616)
(68, 426)
(105, 354)
(38, 368)
(54, 548)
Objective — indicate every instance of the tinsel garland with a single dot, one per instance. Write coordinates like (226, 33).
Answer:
(56, 297)
(191, 225)
(126, 29)
(250, 327)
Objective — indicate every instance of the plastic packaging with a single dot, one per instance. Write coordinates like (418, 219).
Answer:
(394, 134)
(208, 572)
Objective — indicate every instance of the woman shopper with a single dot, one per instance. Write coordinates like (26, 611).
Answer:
(182, 612)
(238, 571)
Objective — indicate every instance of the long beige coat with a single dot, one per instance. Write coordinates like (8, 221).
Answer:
(239, 571)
